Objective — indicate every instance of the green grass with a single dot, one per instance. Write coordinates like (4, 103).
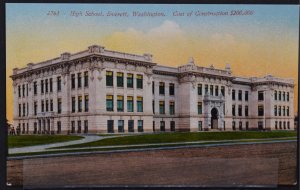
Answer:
(134, 147)
(31, 140)
(183, 137)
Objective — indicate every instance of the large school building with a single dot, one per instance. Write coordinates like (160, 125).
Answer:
(103, 91)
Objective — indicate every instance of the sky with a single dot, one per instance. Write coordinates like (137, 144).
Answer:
(262, 41)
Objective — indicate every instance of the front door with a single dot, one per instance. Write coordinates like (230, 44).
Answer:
(214, 118)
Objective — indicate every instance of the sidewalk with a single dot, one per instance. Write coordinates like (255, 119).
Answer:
(40, 148)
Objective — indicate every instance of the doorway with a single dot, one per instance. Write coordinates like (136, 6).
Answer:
(214, 118)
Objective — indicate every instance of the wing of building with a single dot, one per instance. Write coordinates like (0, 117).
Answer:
(104, 91)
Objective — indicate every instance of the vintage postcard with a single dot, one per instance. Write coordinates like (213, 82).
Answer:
(156, 95)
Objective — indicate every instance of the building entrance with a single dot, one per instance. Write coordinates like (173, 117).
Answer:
(214, 118)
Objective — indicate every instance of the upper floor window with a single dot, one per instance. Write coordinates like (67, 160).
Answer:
(246, 111)
(275, 110)
(139, 104)
(240, 94)
(287, 111)
(129, 104)
(35, 88)
(260, 110)
(172, 108)
(59, 105)
(211, 90)
(109, 103)
(19, 91)
(153, 87)
(46, 85)
(23, 90)
(73, 104)
(216, 90)
(283, 96)
(233, 110)
(223, 91)
(79, 80)
(240, 110)
(279, 96)
(51, 105)
(162, 88)
(161, 107)
(288, 96)
(42, 86)
(206, 89)
(86, 103)
(233, 94)
(275, 95)
(279, 110)
(120, 103)
(129, 80)
(120, 79)
(58, 84)
(20, 110)
(50, 85)
(79, 103)
(73, 81)
(35, 108)
(109, 78)
(86, 79)
(260, 95)
(283, 111)
(200, 89)
(171, 89)
(199, 108)
(246, 96)
(43, 106)
(139, 81)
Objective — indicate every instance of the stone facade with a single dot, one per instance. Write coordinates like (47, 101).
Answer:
(100, 91)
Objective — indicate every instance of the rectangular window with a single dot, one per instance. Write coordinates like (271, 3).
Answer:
(86, 126)
(287, 111)
(23, 90)
(161, 107)
(200, 89)
(79, 80)
(51, 85)
(140, 126)
(35, 108)
(276, 125)
(246, 96)
(153, 87)
(58, 127)
(240, 110)
(275, 110)
(35, 88)
(279, 96)
(161, 88)
(27, 92)
(223, 91)
(139, 81)
(162, 126)
(47, 105)
(233, 94)
(42, 86)
(211, 90)
(79, 103)
(51, 105)
(86, 79)
(283, 111)
(72, 126)
(216, 90)
(120, 103)
(46, 85)
(153, 106)
(199, 108)
(283, 96)
(86, 103)
(58, 84)
(288, 96)
(240, 125)
(20, 110)
(172, 108)
(121, 126)
(109, 103)
(23, 110)
(246, 111)
(280, 125)
(139, 104)
(19, 91)
(240, 95)
(73, 81)
(59, 105)
(129, 104)
(233, 110)
(172, 126)
(79, 126)
(109, 78)
(260, 95)
(129, 80)
(73, 104)
(206, 89)
(288, 125)
(110, 126)
(120, 79)
(43, 106)
(279, 110)
(275, 95)
(233, 125)
(260, 110)
(171, 89)
(200, 126)
(131, 126)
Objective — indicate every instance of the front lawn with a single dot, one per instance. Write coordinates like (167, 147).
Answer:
(184, 137)
(31, 140)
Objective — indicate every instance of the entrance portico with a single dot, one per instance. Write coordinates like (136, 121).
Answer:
(213, 112)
